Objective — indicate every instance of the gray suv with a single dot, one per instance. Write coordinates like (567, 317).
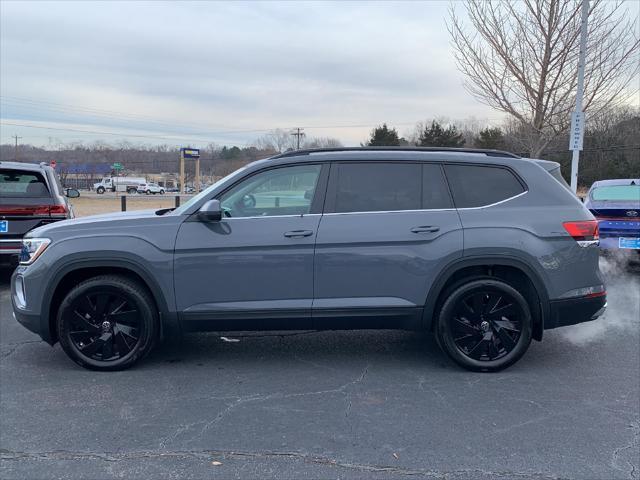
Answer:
(483, 248)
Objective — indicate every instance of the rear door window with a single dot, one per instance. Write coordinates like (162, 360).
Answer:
(376, 187)
(22, 184)
(481, 185)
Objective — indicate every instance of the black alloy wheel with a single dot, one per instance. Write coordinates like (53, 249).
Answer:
(107, 323)
(485, 325)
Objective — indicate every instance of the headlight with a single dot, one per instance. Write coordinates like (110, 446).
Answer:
(32, 248)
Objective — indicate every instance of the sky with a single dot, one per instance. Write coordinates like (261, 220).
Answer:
(182, 73)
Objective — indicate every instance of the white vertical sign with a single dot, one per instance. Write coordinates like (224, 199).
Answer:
(576, 134)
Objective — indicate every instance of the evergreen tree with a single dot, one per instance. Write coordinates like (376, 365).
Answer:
(489, 138)
(384, 137)
(435, 135)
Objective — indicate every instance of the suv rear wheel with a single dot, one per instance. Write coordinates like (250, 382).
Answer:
(107, 323)
(484, 324)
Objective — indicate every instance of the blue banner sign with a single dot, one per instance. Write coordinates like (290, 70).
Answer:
(190, 152)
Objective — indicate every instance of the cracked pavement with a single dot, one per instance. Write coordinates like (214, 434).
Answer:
(366, 404)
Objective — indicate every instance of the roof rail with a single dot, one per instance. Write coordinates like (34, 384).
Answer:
(487, 152)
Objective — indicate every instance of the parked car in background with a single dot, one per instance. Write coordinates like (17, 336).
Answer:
(616, 206)
(483, 248)
(30, 196)
(119, 184)
(149, 188)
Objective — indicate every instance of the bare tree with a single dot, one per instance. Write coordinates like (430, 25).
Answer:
(322, 142)
(521, 57)
(277, 140)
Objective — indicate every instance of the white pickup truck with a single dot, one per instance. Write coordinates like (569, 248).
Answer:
(119, 184)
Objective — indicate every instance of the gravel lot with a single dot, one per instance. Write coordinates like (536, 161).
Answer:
(329, 405)
(90, 203)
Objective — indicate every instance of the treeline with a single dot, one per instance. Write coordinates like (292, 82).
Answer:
(611, 142)
(611, 148)
(90, 160)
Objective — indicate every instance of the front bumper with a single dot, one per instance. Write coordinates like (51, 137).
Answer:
(32, 321)
(571, 311)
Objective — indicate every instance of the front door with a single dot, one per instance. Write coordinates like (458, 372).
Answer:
(387, 230)
(254, 268)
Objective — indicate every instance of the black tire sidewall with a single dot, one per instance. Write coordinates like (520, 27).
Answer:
(148, 318)
(445, 339)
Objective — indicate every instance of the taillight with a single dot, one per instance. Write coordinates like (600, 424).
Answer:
(58, 210)
(585, 232)
(33, 210)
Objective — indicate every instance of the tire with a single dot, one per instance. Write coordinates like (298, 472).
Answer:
(131, 191)
(484, 324)
(148, 192)
(108, 315)
(100, 190)
(161, 192)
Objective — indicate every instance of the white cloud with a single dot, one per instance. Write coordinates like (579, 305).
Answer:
(210, 67)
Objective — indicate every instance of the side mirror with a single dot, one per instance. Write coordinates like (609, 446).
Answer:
(72, 193)
(211, 211)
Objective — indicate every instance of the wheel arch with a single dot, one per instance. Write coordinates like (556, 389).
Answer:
(72, 273)
(500, 267)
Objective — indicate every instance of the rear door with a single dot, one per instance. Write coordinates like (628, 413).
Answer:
(386, 232)
(25, 203)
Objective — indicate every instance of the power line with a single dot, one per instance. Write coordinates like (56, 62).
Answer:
(67, 108)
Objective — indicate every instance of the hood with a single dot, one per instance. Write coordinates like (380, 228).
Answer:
(105, 220)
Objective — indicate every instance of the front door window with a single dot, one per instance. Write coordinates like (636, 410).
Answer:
(279, 191)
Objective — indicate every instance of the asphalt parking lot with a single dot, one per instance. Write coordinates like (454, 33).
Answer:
(329, 405)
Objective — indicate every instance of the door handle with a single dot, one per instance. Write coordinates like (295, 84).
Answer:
(425, 229)
(298, 233)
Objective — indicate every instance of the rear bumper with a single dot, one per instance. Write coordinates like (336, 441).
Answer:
(575, 310)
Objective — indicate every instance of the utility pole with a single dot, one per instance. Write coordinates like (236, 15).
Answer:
(298, 133)
(576, 135)
(17, 138)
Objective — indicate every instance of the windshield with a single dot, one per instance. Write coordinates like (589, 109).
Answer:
(617, 193)
(205, 193)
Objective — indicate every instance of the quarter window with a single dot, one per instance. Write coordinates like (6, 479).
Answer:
(370, 187)
(479, 185)
(280, 191)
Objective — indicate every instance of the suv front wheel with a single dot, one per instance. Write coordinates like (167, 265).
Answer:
(107, 322)
(484, 325)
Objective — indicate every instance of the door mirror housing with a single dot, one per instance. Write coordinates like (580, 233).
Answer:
(211, 211)
(72, 193)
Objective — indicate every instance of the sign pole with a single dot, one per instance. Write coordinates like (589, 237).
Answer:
(197, 184)
(182, 189)
(576, 135)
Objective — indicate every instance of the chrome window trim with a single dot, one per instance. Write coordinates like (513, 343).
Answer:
(386, 211)
(273, 216)
(395, 211)
(433, 209)
(496, 203)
